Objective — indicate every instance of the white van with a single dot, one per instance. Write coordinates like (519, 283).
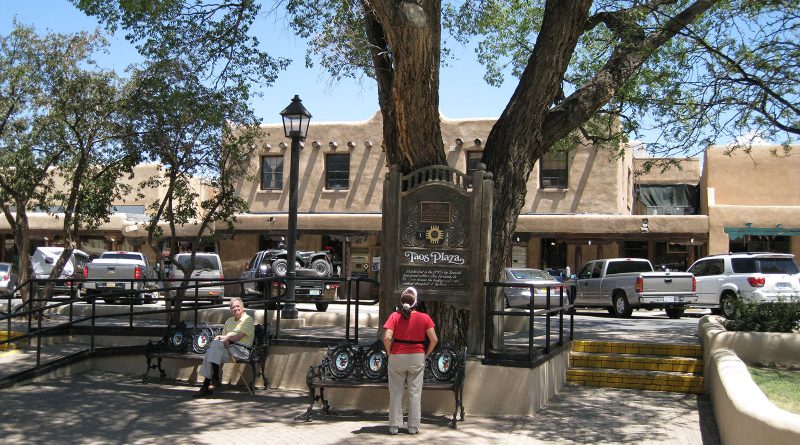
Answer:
(45, 258)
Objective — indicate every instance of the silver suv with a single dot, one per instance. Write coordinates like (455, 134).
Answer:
(757, 276)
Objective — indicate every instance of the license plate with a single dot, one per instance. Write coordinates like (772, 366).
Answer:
(783, 285)
(313, 292)
(669, 299)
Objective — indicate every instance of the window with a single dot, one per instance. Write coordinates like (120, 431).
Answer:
(553, 170)
(473, 159)
(624, 266)
(271, 172)
(337, 171)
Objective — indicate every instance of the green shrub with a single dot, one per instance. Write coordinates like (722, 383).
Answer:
(753, 316)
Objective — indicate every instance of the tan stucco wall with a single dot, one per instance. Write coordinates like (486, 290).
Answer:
(688, 171)
(598, 182)
(758, 178)
(744, 414)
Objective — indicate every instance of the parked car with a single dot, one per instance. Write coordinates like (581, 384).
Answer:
(43, 260)
(120, 271)
(520, 297)
(311, 269)
(624, 284)
(207, 273)
(756, 276)
(8, 278)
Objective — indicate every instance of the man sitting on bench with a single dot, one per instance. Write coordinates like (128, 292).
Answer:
(236, 338)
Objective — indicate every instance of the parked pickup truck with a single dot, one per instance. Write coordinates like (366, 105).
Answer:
(115, 272)
(624, 284)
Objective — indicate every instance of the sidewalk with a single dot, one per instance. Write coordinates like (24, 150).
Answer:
(105, 408)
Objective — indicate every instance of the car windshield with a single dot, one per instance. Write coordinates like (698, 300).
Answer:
(764, 265)
(530, 274)
(200, 262)
(121, 256)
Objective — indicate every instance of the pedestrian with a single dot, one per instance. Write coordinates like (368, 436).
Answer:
(235, 340)
(404, 339)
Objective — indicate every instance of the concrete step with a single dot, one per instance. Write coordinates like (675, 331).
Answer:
(633, 379)
(652, 366)
(636, 362)
(5, 335)
(657, 349)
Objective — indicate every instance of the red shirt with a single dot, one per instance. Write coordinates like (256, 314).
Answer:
(413, 329)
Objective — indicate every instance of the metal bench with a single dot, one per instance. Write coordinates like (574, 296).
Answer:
(353, 366)
(184, 343)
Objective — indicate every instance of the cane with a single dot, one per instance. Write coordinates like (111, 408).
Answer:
(241, 374)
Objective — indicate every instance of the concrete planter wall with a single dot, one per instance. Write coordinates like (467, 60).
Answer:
(744, 414)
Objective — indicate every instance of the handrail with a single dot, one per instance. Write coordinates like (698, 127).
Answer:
(36, 307)
(494, 354)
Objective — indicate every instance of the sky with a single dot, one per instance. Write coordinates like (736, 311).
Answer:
(463, 92)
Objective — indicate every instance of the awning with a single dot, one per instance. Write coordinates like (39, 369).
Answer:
(738, 232)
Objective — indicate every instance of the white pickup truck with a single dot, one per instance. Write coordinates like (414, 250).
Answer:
(624, 284)
(113, 273)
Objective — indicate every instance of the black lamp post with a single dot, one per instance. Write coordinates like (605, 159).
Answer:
(295, 126)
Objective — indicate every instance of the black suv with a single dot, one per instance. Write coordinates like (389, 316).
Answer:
(311, 268)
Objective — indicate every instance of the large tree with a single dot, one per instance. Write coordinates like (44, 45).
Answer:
(57, 136)
(203, 141)
(587, 71)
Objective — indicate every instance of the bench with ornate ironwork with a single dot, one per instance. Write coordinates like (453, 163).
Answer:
(353, 366)
(184, 343)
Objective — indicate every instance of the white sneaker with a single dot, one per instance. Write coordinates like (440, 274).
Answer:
(393, 430)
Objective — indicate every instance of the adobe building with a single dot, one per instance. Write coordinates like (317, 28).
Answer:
(588, 203)
(752, 199)
(579, 206)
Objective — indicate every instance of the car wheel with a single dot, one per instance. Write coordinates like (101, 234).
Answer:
(280, 267)
(621, 308)
(151, 298)
(675, 312)
(322, 267)
(727, 304)
(322, 307)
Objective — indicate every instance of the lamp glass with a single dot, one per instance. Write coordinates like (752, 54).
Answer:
(295, 119)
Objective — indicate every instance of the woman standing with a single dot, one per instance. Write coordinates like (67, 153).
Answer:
(404, 340)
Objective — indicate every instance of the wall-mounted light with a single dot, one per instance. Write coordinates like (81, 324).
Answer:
(459, 142)
(316, 145)
(351, 145)
(368, 144)
(283, 145)
(590, 242)
(271, 219)
(645, 227)
(478, 141)
(267, 147)
(333, 145)
(691, 241)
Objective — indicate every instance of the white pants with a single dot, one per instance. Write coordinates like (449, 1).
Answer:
(218, 354)
(405, 370)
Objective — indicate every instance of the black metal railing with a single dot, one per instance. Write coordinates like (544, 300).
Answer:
(29, 318)
(498, 351)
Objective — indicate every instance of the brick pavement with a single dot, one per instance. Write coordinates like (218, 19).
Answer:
(104, 408)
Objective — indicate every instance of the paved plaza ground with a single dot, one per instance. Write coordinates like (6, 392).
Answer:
(104, 408)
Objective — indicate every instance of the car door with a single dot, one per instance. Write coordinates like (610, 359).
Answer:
(584, 286)
(708, 275)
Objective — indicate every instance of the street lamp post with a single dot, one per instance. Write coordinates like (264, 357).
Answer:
(295, 126)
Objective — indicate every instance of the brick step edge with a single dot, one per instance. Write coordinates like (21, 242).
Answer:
(651, 380)
(636, 362)
(654, 349)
